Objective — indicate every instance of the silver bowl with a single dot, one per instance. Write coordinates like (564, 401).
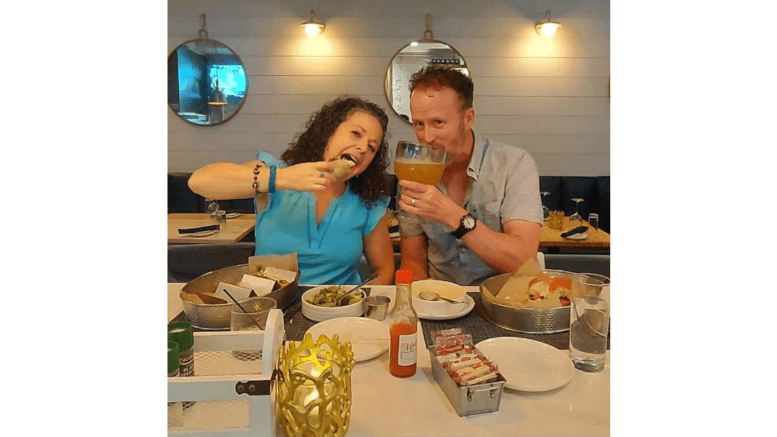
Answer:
(526, 320)
(217, 316)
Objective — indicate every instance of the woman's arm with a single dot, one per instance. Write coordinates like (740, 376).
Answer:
(226, 181)
(379, 253)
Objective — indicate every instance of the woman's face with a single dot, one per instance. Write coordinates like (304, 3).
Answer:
(357, 139)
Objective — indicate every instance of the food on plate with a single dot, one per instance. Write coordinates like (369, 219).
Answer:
(550, 288)
(530, 287)
(328, 297)
(279, 276)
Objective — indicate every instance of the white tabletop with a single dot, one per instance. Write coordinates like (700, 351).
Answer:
(387, 406)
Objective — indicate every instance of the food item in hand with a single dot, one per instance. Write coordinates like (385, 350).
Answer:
(343, 164)
(329, 296)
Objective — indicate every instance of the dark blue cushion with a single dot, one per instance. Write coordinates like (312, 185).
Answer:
(552, 185)
(583, 187)
(603, 194)
(180, 198)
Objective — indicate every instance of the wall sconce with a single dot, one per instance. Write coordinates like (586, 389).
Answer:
(547, 27)
(313, 26)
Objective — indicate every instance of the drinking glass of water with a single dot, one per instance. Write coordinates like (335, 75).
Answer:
(593, 220)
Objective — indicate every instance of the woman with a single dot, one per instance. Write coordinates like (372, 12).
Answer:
(327, 218)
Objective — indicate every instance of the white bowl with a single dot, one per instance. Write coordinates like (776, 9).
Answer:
(444, 289)
(319, 314)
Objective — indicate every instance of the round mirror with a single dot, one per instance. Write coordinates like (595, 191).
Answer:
(206, 82)
(412, 58)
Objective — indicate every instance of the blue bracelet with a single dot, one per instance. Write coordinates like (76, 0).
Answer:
(271, 183)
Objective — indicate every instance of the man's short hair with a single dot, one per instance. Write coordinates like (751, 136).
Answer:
(436, 76)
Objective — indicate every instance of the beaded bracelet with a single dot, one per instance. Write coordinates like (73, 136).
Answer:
(256, 179)
(271, 183)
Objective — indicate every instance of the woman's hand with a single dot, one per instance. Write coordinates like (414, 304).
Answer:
(308, 176)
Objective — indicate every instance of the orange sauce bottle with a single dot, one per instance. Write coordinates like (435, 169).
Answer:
(404, 329)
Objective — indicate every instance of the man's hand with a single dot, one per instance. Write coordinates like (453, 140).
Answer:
(430, 203)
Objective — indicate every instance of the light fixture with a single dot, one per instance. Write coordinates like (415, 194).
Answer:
(547, 27)
(313, 26)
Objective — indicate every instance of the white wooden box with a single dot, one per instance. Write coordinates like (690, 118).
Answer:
(223, 378)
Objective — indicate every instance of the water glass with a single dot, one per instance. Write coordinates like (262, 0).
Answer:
(254, 319)
(221, 219)
(589, 284)
(588, 329)
(593, 220)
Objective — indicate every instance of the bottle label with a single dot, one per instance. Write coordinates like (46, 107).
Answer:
(407, 349)
(187, 363)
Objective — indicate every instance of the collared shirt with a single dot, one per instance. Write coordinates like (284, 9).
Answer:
(327, 252)
(504, 185)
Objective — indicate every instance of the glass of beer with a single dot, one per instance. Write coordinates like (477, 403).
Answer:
(418, 163)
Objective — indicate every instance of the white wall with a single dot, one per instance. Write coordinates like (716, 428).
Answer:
(548, 96)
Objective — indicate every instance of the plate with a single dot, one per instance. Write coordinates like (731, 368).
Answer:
(465, 309)
(233, 215)
(202, 234)
(582, 236)
(528, 365)
(369, 338)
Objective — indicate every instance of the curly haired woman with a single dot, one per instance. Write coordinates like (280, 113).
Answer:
(325, 199)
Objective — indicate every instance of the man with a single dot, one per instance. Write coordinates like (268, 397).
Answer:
(484, 216)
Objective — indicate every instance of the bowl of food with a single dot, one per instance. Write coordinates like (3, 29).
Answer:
(536, 304)
(198, 294)
(431, 304)
(318, 303)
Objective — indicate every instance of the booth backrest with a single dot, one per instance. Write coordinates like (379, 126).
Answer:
(595, 191)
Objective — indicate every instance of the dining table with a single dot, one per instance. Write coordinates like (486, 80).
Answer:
(551, 239)
(383, 405)
(238, 225)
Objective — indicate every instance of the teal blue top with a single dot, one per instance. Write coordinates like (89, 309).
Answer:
(327, 253)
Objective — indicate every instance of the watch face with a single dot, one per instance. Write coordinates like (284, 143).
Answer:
(469, 222)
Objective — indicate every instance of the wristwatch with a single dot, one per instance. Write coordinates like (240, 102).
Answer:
(468, 223)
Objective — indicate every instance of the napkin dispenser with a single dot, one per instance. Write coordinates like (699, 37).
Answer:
(469, 400)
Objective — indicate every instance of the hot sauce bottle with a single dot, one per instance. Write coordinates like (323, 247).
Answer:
(404, 325)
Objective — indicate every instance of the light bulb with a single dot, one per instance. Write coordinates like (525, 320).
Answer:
(549, 29)
(313, 28)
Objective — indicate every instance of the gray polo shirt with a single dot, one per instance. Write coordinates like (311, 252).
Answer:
(504, 185)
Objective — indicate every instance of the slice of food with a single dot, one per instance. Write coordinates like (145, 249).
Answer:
(343, 164)
(553, 289)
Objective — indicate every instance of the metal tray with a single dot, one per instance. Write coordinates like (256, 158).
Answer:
(474, 399)
(218, 316)
(526, 320)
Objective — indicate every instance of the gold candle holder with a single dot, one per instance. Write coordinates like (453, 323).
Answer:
(314, 391)
(556, 219)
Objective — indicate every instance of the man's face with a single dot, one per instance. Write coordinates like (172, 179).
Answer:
(439, 121)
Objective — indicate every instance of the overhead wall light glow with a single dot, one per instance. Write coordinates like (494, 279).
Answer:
(547, 27)
(313, 26)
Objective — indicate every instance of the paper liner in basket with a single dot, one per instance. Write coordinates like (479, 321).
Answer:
(281, 264)
(530, 288)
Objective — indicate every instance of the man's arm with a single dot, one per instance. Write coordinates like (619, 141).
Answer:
(414, 253)
(502, 251)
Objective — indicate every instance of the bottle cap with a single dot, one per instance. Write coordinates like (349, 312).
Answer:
(173, 357)
(181, 333)
(404, 277)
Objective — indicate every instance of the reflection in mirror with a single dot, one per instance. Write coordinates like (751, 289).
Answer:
(206, 82)
(412, 58)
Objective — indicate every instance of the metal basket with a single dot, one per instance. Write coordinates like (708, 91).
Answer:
(217, 316)
(526, 320)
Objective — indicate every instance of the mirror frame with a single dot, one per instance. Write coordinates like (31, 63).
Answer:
(242, 65)
(389, 92)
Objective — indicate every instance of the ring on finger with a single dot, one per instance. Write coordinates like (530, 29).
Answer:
(413, 202)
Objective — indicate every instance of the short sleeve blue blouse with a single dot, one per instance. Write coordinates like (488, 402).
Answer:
(328, 252)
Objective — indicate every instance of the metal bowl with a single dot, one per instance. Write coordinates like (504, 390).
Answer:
(217, 316)
(526, 320)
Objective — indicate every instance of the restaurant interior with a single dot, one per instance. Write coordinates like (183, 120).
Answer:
(245, 77)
